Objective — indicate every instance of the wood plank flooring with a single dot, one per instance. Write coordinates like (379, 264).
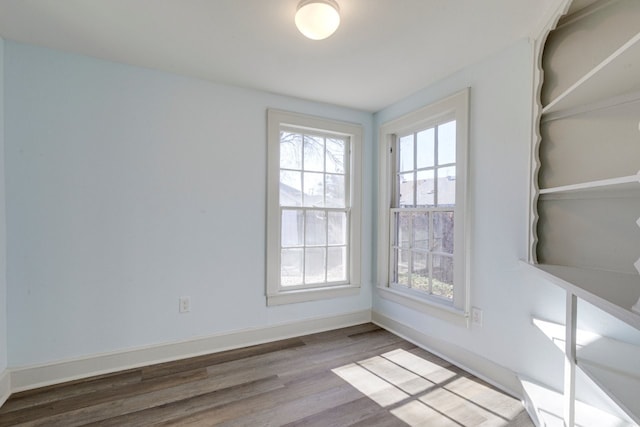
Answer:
(357, 376)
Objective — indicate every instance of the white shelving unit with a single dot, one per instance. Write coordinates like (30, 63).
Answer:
(549, 410)
(613, 292)
(631, 182)
(585, 234)
(618, 74)
(613, 365)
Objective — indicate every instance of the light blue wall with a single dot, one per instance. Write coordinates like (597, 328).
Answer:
(3, 234)
(128, 188)
(500, 136)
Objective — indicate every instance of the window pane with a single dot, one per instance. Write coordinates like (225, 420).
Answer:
(292, 228)
(402, 263)
(313, 153)
(335, 155)
(425, 191)
(291, 267)
(426, 149)
(420, 271)
(290, 188)
(406, 189)
(442, 276)
(337, 228)
(337, 264)
(421, 231)
(443, 232)
(406, 153)
(314, 271)
(290, 150)
(403, 229)
(335, 197)
(313, 189)
(447, 186)
(316, 228)
(447, 143)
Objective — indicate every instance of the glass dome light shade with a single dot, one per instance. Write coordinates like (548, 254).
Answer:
(317, 19)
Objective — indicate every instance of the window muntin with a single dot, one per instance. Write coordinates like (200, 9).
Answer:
(314, 206)
(422, 214)
(426, 167)
(423, 241)
(422, 250)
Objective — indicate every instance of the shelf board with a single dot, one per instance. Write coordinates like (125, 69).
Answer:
(626, 99)
(548, 407)
(613, 292)
(613, 366)
(630, 182)
(616, 75)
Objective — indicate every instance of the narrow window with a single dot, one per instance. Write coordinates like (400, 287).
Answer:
(422, 223)
(313, 208)
(422, 238)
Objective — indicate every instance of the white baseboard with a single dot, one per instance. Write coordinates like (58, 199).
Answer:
(483, 368)
(30, 377)
(5, 386)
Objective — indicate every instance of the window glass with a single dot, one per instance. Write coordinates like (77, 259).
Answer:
(423, 241)
(314, 265)
(406, 153)
(337, 228)
(335, 155)
(425, 188)
(313, 153)
(291, 150)
(314, 206)
(426, 148)
(424, 235)
(447, 143)
(291, 266)
(312, 177)
(447, 186)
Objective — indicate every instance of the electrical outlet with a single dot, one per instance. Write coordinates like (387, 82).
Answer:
(185, 304)
(476, 316)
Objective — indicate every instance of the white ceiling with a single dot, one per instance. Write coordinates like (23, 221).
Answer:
(383, 51)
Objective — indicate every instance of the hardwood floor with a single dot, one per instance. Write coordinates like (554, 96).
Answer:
(357, 376)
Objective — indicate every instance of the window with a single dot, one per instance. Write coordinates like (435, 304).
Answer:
(313, 212)
(423, 247)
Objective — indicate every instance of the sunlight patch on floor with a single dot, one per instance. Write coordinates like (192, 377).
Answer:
(380, 391)
(424, 392)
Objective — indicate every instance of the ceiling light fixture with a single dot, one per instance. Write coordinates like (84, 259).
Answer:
(317, 19)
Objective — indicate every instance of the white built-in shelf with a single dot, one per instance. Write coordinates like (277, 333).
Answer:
(613, 292)
(547, 406)
(611, 364)
(623, 183)
(618, 74)
(626, 99)
(614, 366)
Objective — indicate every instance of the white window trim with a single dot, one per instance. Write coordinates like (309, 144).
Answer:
(275, 294)
(456, 105)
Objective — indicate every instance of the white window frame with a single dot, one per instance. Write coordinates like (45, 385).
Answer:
(277, 120)
(455, 107)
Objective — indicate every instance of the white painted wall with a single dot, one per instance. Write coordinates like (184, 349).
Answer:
(500, 135)
(3, 234)
(128, 188)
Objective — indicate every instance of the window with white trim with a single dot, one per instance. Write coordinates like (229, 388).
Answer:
(423, 246)
(313, 208)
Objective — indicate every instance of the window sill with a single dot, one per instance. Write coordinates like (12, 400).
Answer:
(424, 305)
(304, 295)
